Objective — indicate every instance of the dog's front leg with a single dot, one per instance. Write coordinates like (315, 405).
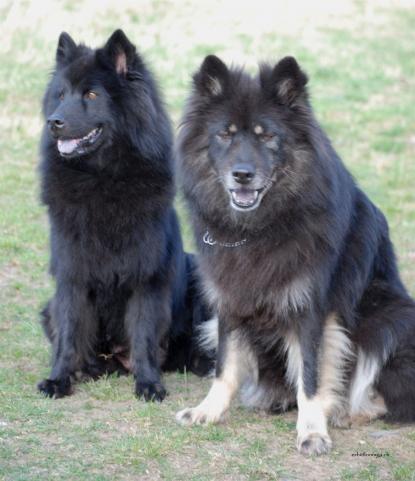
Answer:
(148, 320)
(303, 357)
(75, 325)
(234, 361)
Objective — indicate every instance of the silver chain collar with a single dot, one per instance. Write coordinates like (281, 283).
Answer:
(209, 240)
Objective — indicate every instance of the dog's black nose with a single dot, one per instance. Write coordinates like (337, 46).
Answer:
(243, 173)
(55, 123)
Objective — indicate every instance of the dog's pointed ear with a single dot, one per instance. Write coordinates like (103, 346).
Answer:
(121, 52)
(212, 78)
(287, 82)
(66, 50)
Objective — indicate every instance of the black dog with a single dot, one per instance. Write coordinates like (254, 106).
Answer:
(295, 258)
(124, 286)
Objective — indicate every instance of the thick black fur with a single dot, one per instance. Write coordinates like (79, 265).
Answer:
(125, 295)
(282, 190)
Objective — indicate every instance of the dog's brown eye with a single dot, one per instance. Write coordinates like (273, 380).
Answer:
(224, 135)
(266, 137)
(90, 95)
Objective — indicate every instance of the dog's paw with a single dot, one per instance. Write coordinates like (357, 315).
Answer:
(314, 444)
(197, 415)
(55, 388)
(150, 391)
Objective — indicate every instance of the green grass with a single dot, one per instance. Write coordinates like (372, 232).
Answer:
(361, 65)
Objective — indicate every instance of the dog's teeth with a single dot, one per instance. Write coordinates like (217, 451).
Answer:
(91, 134)
(245, 198)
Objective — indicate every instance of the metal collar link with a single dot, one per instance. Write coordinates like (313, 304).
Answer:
(209, 240)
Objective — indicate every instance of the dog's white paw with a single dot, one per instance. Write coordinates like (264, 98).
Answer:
(197, 415)
(314, 444)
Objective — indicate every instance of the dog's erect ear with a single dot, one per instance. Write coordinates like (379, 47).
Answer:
(121, 52)
(212, 78)
(287, 82)
(66, 50)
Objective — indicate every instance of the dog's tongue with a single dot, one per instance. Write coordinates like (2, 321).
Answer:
(244, 197)
(67, 146)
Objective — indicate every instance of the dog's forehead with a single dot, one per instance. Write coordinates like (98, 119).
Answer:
(245, 108)
(80, 69)
(248, 115)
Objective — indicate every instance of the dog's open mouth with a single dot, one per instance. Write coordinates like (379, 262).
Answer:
(246, 199)
(69, 147)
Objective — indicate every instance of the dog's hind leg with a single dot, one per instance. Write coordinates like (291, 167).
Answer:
(395, 383)
(71, 313)
(234, 363)
(364, 403)
(384, 378)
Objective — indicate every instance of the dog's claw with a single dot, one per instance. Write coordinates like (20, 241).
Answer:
(55, 388)
(150, 391)
(190, 416)
(314, 444)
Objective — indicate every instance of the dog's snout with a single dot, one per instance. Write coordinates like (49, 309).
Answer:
(55, 123)
(243, 173)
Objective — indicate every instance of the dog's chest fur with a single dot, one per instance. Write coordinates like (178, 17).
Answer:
(245, 282)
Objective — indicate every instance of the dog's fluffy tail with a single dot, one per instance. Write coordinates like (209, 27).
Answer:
(386, 355)
(208, 336)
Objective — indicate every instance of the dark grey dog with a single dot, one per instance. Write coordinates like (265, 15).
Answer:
(295, 259)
